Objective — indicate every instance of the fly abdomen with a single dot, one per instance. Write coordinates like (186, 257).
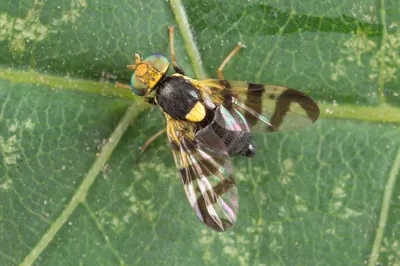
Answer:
(237, 142)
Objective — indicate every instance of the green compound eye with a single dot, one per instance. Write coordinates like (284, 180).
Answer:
(138, 87)
(158, 62)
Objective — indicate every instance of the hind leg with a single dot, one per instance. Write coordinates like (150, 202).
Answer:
(234, 51)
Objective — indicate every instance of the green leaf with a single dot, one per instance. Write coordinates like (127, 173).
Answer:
(76, 190)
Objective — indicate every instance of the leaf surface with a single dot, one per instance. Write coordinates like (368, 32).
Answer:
(75, 189)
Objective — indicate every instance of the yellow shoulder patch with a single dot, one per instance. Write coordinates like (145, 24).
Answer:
(197, 113)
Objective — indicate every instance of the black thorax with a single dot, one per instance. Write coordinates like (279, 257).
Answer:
(177, 96)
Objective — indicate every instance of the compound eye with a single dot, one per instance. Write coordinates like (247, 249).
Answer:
(158, 61)
(138, 87)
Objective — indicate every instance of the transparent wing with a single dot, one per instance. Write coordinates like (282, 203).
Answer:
(266, 108)
(207, 174)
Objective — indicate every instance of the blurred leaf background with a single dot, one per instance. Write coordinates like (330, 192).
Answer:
(324, 196)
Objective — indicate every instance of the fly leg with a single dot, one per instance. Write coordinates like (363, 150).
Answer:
(177, 68)
(122, 85)
(151, 100)
(234, 51)
(150, 140)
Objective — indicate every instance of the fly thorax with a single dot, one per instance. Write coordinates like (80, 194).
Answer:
(180, 99)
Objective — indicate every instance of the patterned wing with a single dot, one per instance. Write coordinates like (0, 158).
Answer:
(266, 108)
(207, 174)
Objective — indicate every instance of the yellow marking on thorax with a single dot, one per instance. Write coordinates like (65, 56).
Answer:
(197, 113)
(205, 91)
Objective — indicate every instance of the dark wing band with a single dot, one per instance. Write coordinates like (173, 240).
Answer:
(207, 175)
(266, 108)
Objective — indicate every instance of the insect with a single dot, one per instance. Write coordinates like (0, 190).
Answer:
(208, 121)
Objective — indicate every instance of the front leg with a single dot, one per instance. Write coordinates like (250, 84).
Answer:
(177, 68)
(150, 100)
